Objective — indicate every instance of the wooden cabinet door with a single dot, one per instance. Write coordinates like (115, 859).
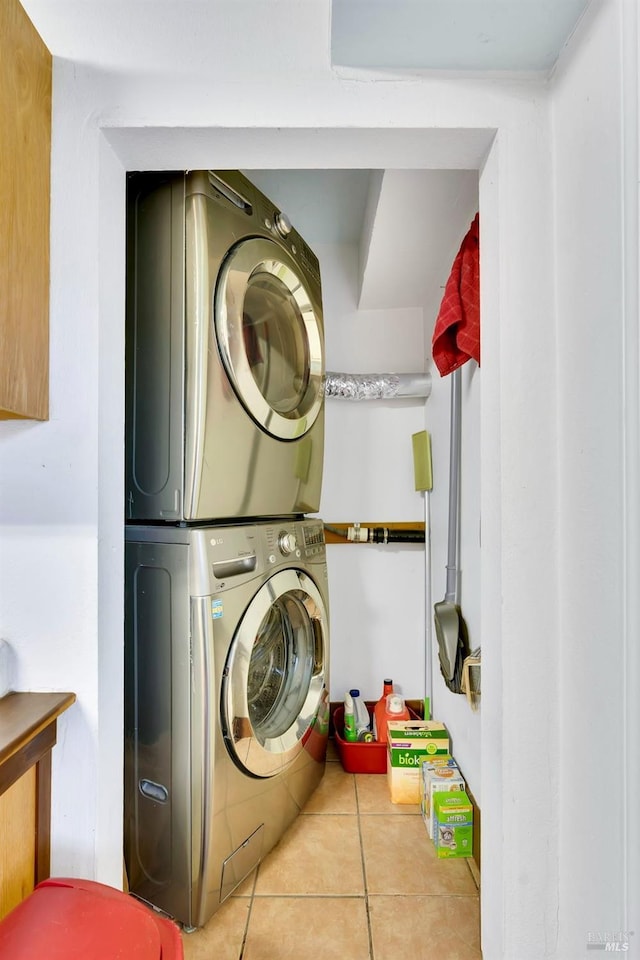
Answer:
(25, 162)
(18, 838)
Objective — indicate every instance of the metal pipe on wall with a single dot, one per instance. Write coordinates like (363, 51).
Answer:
(377, 386)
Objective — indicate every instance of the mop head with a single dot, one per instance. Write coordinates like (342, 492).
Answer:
(453, 643)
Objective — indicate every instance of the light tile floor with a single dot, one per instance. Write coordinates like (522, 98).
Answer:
(355, 876)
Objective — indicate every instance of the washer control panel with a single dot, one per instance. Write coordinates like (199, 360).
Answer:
(290, 540)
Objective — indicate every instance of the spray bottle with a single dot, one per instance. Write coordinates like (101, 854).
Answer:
(363, 721)
(350, 732)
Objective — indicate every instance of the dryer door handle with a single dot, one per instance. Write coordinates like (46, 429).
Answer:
(197, 299)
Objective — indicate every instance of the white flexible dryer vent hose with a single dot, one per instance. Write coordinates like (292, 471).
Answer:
(377, 386)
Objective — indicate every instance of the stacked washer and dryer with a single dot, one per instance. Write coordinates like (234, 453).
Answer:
(226, 606)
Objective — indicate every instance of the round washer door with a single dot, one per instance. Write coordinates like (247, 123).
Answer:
(275, 674)
(270, 338)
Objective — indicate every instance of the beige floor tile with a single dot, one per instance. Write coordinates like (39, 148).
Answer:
(400, 859)
(312, 886)
(317, 855)
(373, 796)
(307, 928)
(431, 928)
(221, 938)
(336, 792)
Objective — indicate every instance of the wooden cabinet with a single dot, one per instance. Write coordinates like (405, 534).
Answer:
(25, 163)
(27, 736)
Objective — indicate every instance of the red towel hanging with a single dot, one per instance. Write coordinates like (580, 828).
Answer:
(456, 336)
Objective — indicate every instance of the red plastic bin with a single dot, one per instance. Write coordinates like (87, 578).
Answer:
(69, 919)
(360, 757)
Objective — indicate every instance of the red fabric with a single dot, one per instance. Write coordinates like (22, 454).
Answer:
(456, 336)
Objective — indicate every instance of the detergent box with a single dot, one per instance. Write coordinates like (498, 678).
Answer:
(437, 775)
(410, 743)
(453, 824)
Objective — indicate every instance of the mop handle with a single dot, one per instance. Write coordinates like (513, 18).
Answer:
(451, 593)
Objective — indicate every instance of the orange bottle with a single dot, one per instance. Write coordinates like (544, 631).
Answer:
(379, 710)
(391, 707)
(386, 709)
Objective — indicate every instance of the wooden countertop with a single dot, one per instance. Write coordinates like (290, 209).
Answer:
(24, 715)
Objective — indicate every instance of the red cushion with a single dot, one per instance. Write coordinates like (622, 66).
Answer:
(67, 919)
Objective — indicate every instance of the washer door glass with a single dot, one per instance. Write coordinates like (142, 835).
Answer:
(270, 338)
(275, 674)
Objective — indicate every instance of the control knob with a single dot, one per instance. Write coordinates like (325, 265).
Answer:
(287, 543)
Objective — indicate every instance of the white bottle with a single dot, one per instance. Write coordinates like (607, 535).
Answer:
(361, 714)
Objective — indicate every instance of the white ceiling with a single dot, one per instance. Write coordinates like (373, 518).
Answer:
(181, 38)
(142, 36)
(453, 35)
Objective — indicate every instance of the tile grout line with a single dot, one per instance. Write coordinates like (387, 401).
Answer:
(249, 912)
(364, 870)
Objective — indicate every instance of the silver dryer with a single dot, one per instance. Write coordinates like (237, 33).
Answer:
(224, 353)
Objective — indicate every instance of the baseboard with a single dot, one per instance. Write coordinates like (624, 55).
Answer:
(477, 820)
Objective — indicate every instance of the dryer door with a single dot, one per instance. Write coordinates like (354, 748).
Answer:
(269, 331)
(274, 678)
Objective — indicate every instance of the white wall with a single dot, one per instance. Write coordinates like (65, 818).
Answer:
(519, 545)
(598, 376)
(376, 592)
(61, 552)
(50, 514)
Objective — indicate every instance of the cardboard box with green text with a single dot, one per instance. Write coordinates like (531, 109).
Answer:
(437, 776)
(410, 743)
(453, 824)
